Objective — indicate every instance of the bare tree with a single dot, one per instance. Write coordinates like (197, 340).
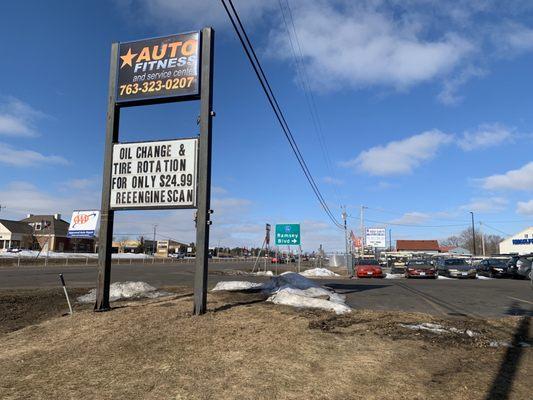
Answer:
(464, 239)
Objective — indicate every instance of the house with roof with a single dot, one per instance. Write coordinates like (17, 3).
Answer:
(15, 234)
(418, 246)
(50, 233)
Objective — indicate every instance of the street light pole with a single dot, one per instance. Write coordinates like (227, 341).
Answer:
(473, 234)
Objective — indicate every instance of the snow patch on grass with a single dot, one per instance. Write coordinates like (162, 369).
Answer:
(436, 328)
(294, 290)
(126, 290)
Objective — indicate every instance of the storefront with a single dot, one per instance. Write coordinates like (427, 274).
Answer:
(520, 243)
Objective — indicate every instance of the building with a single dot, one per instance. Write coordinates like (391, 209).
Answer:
(417, 246)
(15, 234)
(133, 246)
(50, 233)
(520, 243)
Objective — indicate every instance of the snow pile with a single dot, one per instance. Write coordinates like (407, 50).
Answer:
(318, 272)
(125, 290)
(293, 290)
(443, 277)
(264, 273)
(435, 328)
(484, 277)
(233, 286)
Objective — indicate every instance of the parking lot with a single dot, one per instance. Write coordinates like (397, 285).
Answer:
(450, 297)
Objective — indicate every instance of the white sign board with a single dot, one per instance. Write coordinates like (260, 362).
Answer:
(376, 237)
(158, 174)
(83, 224)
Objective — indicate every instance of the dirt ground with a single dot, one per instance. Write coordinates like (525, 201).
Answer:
(244, 348)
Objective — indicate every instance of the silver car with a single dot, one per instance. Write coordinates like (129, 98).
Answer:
(456, 268)
(523, 266)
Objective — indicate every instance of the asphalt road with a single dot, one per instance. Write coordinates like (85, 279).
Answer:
(474, 298)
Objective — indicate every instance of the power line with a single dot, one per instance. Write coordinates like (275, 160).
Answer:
(495, 229)
(261, 76)
(409, 225)
(304, 82)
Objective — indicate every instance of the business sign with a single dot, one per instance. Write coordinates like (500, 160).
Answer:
(159, 174)
(522, 241)
(83, 224)
(376, 237)
(158, 68)
(288, 234)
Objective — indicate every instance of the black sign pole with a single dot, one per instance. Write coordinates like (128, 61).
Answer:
(105, 237)
(204, 172)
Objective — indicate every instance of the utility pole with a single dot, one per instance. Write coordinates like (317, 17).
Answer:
(390, 239)
(473, 235)
(482, 238)
(346, 251)
(153, 243)
(362, 230)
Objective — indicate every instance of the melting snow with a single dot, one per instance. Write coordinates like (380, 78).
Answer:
(125, 290)
(232, 286)
(264, 273)
(295, 290)
(394, 276)
(318, 272)
(436, 328)
(483, 277)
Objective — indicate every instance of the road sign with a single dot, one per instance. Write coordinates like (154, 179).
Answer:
(153, 175)
(288, 234)
(158, 68)
(376, 237)
(83, 224)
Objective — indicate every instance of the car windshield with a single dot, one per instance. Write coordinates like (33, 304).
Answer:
(419, 262)
(454, 262)
(368, 262)
(497, 263)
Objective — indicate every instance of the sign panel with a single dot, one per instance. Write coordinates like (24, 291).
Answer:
(376, 237)
(83, 224)
(288, 234)
(158, 68)
(154, 175)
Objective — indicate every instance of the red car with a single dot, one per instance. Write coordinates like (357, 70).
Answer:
(420, 269)
(369, 269)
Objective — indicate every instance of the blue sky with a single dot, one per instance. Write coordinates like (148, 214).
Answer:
(425, 111)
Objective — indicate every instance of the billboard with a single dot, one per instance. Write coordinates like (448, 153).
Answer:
(158, 68)
(376, 237)
(288, 234)
(83, 224)
(152, 175)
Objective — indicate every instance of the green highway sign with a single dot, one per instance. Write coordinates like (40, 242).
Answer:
(288, 234)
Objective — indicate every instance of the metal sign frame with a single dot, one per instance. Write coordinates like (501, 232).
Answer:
(203, 194)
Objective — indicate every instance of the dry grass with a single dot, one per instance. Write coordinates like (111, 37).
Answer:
(247, 349)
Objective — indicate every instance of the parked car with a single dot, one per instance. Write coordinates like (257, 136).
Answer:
(455, 268)
(420, 269)
(13, 250)
(278, 260)
(493, 268)
(368, 269)
(523, 266)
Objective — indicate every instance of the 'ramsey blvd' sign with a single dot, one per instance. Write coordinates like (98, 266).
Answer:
(158, 68)
(158, 174)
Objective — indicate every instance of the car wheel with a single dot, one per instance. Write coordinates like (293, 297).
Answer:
(491, 274)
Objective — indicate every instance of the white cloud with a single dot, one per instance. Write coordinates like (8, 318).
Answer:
(27, 158)
(412, 218)
(21, 198)
(80, 183)
(218, 190)
(448, 95)
(486, 135)
(400, 157)
(17, 118)
(517, 179)
(359, 44)
(485, 205)
(516, 37)
(190, 15)
(332, 181)
(525, 207)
